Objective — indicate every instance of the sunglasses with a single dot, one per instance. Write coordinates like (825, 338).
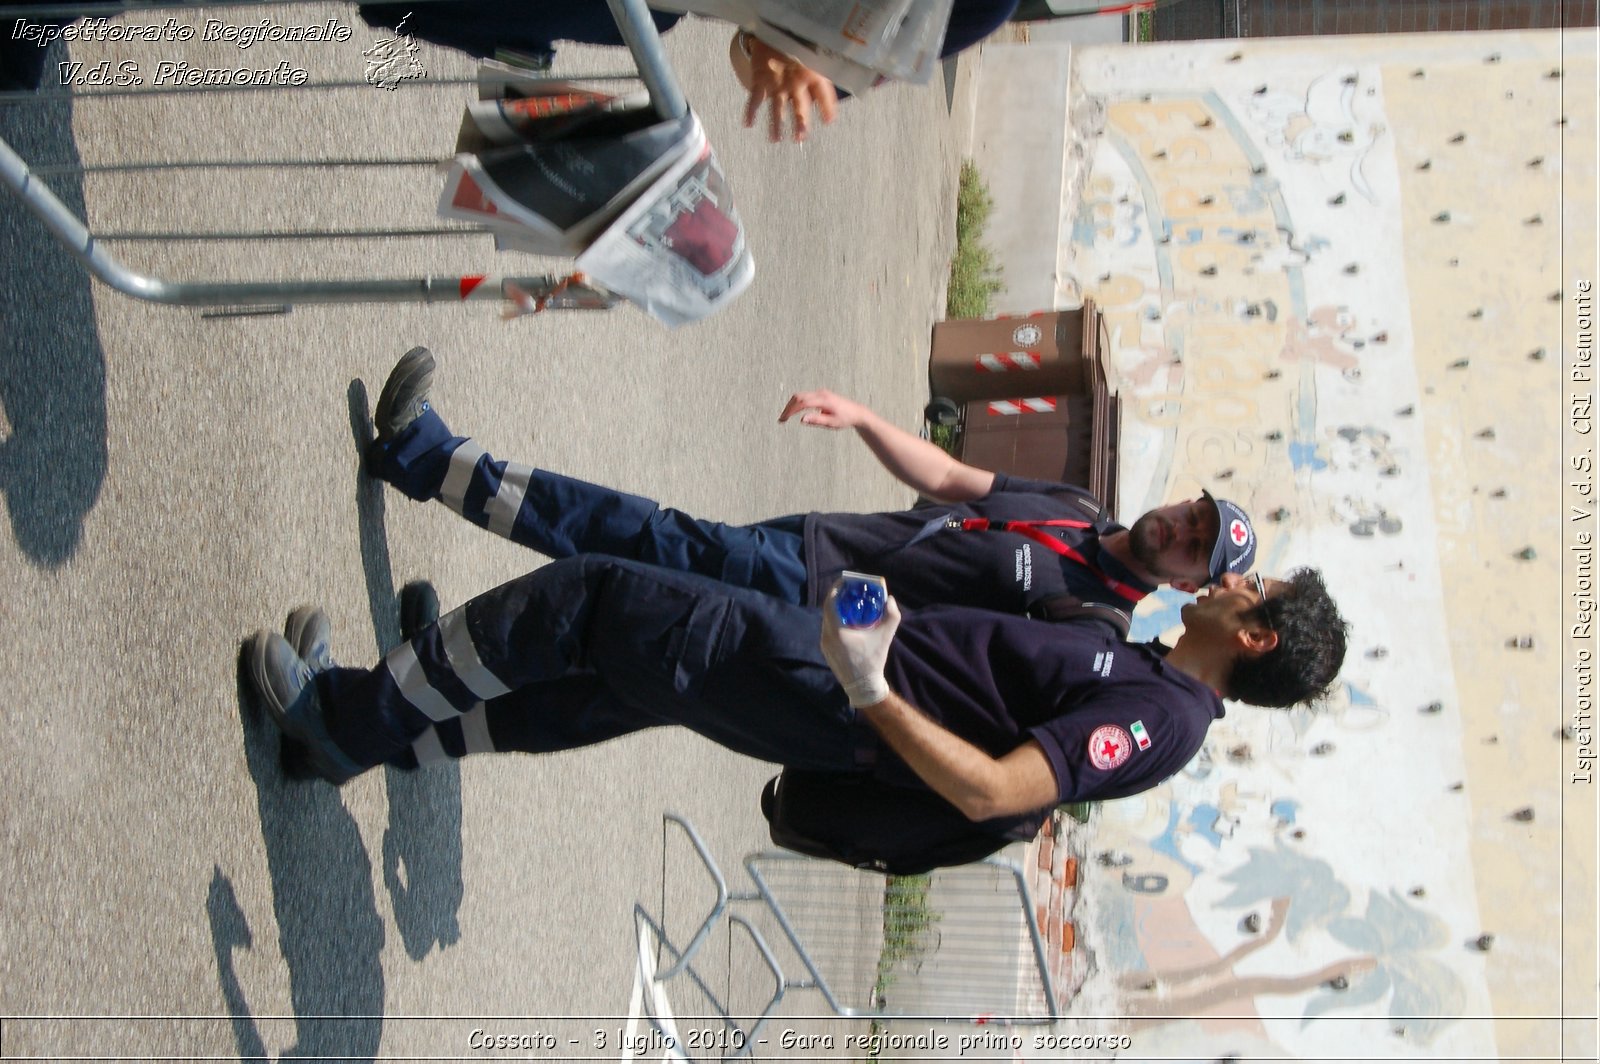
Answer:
(1261, 589)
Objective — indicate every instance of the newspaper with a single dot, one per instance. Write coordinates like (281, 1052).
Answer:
(547, 164)
(679, 250)
(552, 167)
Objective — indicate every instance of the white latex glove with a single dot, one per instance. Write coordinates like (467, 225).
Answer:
(857, 655)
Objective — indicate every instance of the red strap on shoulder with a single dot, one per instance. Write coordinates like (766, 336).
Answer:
(1035, 530)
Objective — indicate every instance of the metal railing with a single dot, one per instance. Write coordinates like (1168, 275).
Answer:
(90, 248)
(959, 945)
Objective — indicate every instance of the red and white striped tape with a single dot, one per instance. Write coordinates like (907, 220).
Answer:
(1013, 407)
(1005, 361)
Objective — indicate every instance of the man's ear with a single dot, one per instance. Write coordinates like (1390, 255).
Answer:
(1257, 639)
(1188, 587)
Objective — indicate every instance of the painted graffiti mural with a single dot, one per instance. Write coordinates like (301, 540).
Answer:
(1307, 886)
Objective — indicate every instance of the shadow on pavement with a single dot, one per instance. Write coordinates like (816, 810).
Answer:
(328, 926)
(52, 366)
(422, 844)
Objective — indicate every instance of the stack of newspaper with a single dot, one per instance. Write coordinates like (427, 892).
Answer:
(552, 167)
(853, 43)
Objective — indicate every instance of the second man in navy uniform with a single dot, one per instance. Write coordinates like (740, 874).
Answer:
(984, 539)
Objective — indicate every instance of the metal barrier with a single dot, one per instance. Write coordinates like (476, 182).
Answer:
(959, 945)
(257, 296)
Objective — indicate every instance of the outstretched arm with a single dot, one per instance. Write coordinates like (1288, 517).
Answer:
(981, 786)
(921, 465)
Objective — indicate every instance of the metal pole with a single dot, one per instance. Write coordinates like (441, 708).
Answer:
(639, 33)
(77, 238)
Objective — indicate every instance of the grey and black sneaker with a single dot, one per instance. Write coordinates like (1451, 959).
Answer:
(308, 631)
(284, 684)
(405, 394)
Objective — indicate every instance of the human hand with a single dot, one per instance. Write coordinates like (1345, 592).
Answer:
(784, 84)
(826, 410)
(857, 656)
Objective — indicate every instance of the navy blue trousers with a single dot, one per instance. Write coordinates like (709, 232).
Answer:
(560, 516)
(591, 648)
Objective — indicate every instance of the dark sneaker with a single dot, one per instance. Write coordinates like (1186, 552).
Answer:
(307, 630)
(405, 394)
(283, 682)
(419, 607)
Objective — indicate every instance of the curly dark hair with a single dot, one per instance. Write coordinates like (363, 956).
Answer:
(1310, 650)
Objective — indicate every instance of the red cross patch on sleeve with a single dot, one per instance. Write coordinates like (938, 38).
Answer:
(1109, 746)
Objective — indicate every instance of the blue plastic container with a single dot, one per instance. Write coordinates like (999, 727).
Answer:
(861, 600)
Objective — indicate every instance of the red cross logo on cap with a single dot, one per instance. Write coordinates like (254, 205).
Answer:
(1238, 533)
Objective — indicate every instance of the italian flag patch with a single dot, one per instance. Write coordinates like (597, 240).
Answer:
(1140, 736)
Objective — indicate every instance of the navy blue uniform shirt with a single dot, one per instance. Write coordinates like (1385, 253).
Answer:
(929, 564)
(1112, 717)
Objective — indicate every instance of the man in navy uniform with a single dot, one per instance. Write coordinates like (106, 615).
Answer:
(997, 714)
(1003, 543)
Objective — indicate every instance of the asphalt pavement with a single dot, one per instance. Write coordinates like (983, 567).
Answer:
(173, 482)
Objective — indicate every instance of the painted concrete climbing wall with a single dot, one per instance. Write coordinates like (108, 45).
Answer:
(1344, 281)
